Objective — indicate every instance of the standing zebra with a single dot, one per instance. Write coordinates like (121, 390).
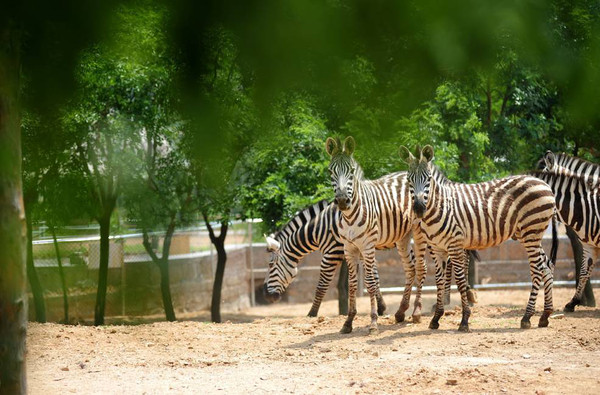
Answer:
(314, 228)
(457, 216)
(375, 213)
(574, 182)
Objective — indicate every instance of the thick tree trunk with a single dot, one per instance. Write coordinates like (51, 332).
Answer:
(587, 299)
(102, 270)
(32, 276)
(61, 273)
(342, 287)
(13, 232)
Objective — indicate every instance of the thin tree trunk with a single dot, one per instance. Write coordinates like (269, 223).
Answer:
(32, 276)
(215, 305)
(587, 298)
(13, 228)
(219, 243)
(342, 287)
(61, 273)
(102, 270)
(163, 267)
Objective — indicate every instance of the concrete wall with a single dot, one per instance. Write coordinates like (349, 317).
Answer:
(191, 287)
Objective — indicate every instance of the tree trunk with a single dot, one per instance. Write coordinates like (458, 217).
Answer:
(102, 270)
(163, 267)
(215, 305)
(61, 274)
(587, 298)
(342, 287)
(165, 289)
(32, 276)
(13, 232)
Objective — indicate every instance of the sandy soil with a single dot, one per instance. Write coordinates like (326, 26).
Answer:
(276, 349)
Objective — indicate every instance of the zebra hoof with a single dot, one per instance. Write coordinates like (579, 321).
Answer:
(525, 324)
(463, 328)
(381, 310)
(373, 331)
(543, 323)
(434, 325)
(569, 307)
(416, 319)
(313, 313)
(346, 329)
(399, 317)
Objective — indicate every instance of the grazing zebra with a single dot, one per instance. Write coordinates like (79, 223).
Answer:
(457, 216)
(574, 182)
(375, 213)
(314, 228)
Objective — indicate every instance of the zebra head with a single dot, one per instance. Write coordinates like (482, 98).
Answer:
(282, 271)
(418, 176)
(342, 168)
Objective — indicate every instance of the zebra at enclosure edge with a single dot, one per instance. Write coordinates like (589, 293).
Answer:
(457, 216)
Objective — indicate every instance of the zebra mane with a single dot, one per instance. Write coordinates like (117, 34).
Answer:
(301, 218)
(576, 177)
(573, 163)
(439, 176)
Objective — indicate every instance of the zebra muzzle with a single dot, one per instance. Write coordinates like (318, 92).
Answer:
(270, 296)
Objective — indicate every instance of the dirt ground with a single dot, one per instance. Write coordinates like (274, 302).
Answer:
(277, 349)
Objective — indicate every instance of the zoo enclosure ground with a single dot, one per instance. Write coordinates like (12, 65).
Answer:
(277, 349)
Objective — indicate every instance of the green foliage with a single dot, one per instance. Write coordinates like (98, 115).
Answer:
(288, 170)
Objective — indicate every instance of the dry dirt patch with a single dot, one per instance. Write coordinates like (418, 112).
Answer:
(277, 349)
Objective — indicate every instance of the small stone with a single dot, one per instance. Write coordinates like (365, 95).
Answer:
(526, 356)
(548, 369)
(451, 382)
(65, 369)
(321, 319)
(558, 316)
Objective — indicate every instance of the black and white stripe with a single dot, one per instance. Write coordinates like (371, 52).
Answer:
(375, 214)
(456, 216)
(315, 228)
(574, 182)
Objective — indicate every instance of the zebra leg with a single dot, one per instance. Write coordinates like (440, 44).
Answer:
(587, 265)
(448, 281)
(547, 278)
(458, 266)
(439, 258)
(372, 286)
(381, 306)
(352, 288)
(421, 268)
(537, 261)
(328, 268)
(408, 262)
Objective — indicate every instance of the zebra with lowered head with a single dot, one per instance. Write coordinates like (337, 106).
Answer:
(574, 182)
(374, 214)
(455, 216)
(314, 228)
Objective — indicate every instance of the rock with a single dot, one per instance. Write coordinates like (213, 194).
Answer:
(526, 356)
(558, 316)
(451, 382)
(65, 369)
(548, 369)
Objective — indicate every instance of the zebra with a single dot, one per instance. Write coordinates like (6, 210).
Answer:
(457, 216)
(314, 228)
(374, 213)
(574, 182)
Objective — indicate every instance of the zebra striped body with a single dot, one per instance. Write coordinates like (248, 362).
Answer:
(457, 216)
(375, 213)
(315, 228)
(575, 185)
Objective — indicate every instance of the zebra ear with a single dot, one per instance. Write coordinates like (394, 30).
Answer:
(272, 244)
(549, 159)
(427, 153)
(349, 145)
(332, 146)
(406, 156)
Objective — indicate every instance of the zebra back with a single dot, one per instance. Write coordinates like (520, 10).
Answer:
(569, 165)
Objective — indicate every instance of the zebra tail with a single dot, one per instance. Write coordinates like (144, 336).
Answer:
(475, 255)
(554, 248)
